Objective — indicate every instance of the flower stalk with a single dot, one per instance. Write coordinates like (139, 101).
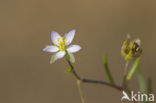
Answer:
(133, 70)
(124, 83)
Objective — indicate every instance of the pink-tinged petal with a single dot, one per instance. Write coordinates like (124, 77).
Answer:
(73, 48)
(70, 36)
(60, 54)
(54, 37)
(51, 48)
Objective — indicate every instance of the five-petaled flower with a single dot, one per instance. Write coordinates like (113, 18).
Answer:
(61, 46)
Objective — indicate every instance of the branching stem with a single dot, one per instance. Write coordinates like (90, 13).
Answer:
(120, 88)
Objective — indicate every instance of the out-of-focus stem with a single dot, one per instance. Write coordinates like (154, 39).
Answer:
(133, 70)
(80, 91)
(124, 85)
(149, 85)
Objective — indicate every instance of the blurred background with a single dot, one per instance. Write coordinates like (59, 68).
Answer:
(26, 76)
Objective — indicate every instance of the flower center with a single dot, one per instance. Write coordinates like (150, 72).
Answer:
(62, 43)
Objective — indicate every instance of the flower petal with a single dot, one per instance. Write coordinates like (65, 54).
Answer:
(53, 59)
(60, 54)
(51, 48)
(138, 41)
(73, 48)
(70, 36)
(54, 37)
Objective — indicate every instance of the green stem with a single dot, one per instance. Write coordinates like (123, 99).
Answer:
(141, 82)
(133, 70)
(124, 84)
(149, 87)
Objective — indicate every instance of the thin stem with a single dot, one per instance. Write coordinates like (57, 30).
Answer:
(73, 70)
(133, 70)
(103, 83)
(93, 81)
(125, 74)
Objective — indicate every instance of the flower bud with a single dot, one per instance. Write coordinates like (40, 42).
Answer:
(131, 48)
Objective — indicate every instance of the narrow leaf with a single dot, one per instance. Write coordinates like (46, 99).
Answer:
(133, 70)
(107, 70)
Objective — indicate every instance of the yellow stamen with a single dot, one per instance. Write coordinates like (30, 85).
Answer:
(66, 43)
(62, 43)
(58, 39)
(64, 39)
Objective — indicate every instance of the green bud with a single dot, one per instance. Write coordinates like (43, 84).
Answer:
(131, 48)
(69, 70)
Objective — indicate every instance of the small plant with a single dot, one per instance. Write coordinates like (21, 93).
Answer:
(131, 51)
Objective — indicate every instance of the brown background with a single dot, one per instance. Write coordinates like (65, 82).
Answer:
(25, 25)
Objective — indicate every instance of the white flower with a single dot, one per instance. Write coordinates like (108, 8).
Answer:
(61, 46)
